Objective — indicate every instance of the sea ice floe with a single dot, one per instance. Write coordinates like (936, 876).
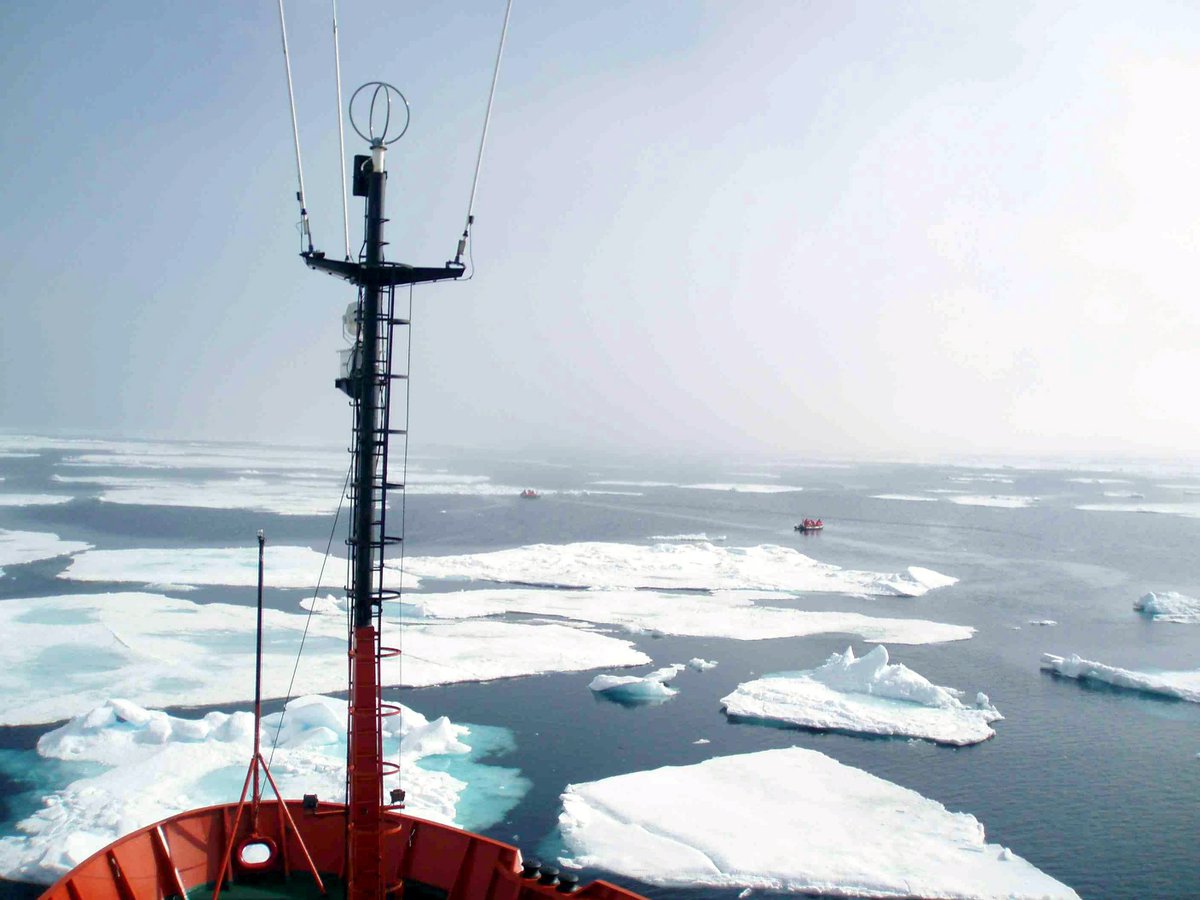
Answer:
(1181, 685)
(285, 496)
(989, 477)
(693, 566)
(732, 614)
(1047, 623)
(156, 765)
(865, 696)
(63, 655)
(915, 498)
(262, 458)
(1125, 495)
(1169, 606)
(1100, 480)
(1006, 501)
(284, 567)
(33, 499)
(745, 488)
(18, 547)
(701, 665)
(1188, 510)
(792, 820)
(638, 689)
(700, 538)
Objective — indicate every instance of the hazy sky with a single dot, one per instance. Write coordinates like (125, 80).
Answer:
(831, 227)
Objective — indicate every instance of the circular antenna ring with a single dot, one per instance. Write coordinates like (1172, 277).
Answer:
(377, 133)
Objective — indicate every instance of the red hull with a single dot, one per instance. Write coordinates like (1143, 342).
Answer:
(183, 853)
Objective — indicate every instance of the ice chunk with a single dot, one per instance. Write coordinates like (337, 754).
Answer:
(157, 765)
(865, 696)
(795, 820)
(33, 499)
(638, 688)
(1007, 501)
(18, 547)
(1169, 606)
(1045, 623)
(731, 614)
(701, 665)
(64, 655)
(1182, 685)
(695, 566)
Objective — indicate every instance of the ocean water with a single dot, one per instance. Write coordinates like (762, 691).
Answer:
(1096, 786)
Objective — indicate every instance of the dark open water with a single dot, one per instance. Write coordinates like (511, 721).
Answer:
(1098, 787)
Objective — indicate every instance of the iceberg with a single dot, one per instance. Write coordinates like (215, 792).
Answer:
(865, 696)
(795, 820)
(19, 547)
(732, 614)
(674, 565)
(156, 765)
(63, 655)
(1179, 685)
(638, 689)
(1169, 606)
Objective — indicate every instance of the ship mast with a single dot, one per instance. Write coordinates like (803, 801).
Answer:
(368, 383)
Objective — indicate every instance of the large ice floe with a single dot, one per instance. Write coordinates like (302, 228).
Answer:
(33, 499)
(674, 565)
(18, 547)
(63, 655)
(792, 820)
(1005, 501)
(285, 566)
(1188, 510)
(152, 765)
(1169, 606)
(732, 614)
(284, 496)
(1179, 685)
(865, 696)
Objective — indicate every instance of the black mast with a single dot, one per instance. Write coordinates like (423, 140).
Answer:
(368, 383)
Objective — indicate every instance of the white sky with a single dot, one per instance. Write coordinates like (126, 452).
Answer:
(828, 227)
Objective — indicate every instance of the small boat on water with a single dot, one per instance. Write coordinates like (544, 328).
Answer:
(529, 494)
(809, 525)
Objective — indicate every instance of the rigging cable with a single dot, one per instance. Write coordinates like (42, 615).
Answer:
(305, 230)
(487, 118)
(337, 67)
(312, 607)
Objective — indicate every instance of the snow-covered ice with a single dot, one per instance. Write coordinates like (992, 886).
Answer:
(674, 565)
(701, 665)
(18, 547)
(700, 538)
(1181, 685)
(1005, 501)
(794, 820)
(63, 655)
(1100, 480)
(1188, 510)
(1046, 623)
(285, 496)
(733, 614)
(865, 696)
(636, 689)
(156, 765)
(33, 499)
(285, 566)
(989, 477)
(1169, 606)
(914, 498)
(739, 488)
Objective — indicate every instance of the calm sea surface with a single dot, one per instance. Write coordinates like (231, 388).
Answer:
(1098, 787)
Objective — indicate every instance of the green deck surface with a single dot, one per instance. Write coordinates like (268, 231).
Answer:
(299, 887)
